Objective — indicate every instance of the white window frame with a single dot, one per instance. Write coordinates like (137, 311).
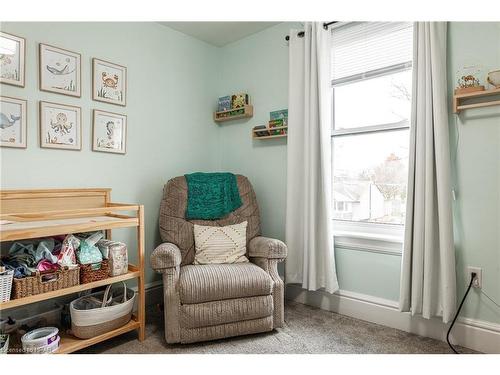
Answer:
(367, 236)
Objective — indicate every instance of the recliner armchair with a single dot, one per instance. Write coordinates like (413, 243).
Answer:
(214, 301)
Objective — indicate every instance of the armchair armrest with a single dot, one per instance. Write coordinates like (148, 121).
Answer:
(266, 253)
(165, 256)
(166, 259)
(269, 248)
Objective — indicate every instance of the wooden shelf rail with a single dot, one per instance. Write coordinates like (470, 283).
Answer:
(226, 115)
(269, 130)
(459, 106)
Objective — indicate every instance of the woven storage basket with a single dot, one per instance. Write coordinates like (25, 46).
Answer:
(43, 282)
(6, 285)
(101, 312)
(94, 272)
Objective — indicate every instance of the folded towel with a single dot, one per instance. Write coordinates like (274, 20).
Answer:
(211, 195)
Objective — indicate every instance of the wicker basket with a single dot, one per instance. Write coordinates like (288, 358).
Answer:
(94, 272)
(6, 285)
(101, 312)
(44, 282)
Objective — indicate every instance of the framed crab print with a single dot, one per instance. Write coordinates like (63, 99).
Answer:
(60, 126)
(12, 122)
(12, 59)
(109, 132)
(60, 70)
(109, 82)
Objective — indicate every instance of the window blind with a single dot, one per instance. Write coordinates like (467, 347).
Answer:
(361, 47)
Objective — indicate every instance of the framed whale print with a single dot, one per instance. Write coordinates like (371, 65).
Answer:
(109, 132)
(60, 70)
(109, 82)
(12, 122)
(60, 126)
(12, 59)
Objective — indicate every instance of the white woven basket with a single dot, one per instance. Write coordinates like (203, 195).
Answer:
(6, 285)
(88, 321)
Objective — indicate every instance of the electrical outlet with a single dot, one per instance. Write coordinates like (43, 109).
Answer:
(478, 280)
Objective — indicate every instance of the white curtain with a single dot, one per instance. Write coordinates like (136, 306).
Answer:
(309, 236)
(428, 280)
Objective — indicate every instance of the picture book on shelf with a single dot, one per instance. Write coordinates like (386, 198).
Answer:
(239, 100)
(224, 103)
(281, 114)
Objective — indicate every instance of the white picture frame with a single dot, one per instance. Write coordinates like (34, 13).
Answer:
(12, 59)
(109, 82)
(109, 132)
(59, 70)
(60, 126)
(13, 120)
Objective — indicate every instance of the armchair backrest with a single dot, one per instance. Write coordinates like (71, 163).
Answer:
(176, 229)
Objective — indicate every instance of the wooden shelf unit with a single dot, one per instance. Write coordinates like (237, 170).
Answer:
(268, 129)
(457, 98)
(28, 214)
(225, 115)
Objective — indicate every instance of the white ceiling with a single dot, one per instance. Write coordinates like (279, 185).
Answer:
(219, 33)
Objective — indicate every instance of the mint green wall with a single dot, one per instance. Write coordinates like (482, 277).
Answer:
(477, 169)
(368, 273)
(259, 65)
(171, 93)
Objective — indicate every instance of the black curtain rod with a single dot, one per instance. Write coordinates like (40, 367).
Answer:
(301, 33)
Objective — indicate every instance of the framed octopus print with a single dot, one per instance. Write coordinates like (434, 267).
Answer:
(60, 70)
(109, 82)
(109, 132)
(60, 126)
(12, 122)
(12, 59)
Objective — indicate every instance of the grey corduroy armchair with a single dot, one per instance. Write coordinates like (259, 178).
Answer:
(214, 301)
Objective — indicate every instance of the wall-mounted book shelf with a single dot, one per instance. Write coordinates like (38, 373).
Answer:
(458, 98)
(234, 114)
(269, 133)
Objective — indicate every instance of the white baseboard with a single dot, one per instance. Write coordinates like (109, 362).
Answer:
(474, 334)
(149, 286)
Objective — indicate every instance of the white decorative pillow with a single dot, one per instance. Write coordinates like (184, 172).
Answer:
(215, 245)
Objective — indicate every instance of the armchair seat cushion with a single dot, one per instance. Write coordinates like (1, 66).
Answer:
(215, 282)
(226, 311)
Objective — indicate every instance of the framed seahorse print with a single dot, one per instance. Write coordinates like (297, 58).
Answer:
(109, 132)
(109, 82)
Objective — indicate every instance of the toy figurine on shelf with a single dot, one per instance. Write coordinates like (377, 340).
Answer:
(468, 81)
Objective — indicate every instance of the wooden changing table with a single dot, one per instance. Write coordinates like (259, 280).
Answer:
(27, 214)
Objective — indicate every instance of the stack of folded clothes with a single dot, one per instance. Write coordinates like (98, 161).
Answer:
(48, 254)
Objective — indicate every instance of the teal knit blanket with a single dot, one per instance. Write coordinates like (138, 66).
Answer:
(211, 195)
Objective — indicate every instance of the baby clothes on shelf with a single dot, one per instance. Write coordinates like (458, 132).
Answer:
(48, 254)
(88, 252)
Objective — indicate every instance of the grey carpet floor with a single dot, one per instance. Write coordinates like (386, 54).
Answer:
(307, 330)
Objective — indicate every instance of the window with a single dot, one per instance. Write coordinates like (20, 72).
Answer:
(371, 116)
